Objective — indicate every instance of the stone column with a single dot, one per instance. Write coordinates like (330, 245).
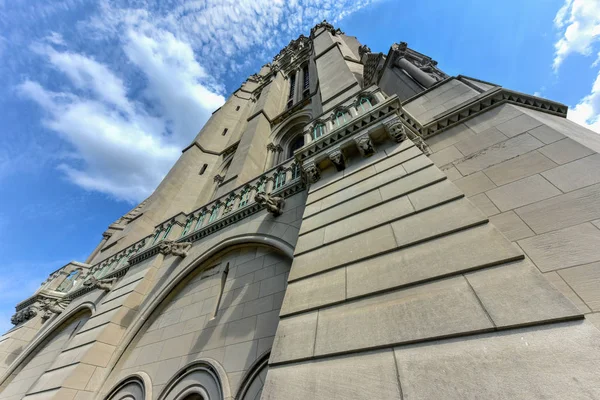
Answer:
(270, 155)
(307, 138)
(414, 71)
(298, 88)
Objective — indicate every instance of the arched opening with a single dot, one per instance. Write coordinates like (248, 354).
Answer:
(296, 144)
(197, 381)
(193, 311)
(131, 388)
(254, 381)
(25, 376)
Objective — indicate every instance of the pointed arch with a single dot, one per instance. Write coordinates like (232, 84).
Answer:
(59, 330)
(136, 386)
(254, 380)
(167, 288)
(203, 377)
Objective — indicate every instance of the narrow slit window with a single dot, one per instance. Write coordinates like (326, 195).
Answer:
(224, 132)
(203, 169)
(245, 198)
(295, 171)
(237, 108)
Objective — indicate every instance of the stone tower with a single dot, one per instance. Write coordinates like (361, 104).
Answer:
(349, 225)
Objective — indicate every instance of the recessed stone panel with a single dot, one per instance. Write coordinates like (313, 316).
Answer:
(519, 167)
(526, 191)
(576, 174)
(472, 248)
(517, 294)
(326, 288)
(436, 221)
(295, 338)
(353, 377)
(430, 310)
(564, 248)
(555, 362)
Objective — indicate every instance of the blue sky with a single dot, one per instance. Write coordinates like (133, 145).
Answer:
(97, 98)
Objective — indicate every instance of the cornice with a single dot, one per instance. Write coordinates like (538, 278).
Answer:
(376, 114)
(478, 105)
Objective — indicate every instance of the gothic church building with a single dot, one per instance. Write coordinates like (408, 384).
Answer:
(349, 225)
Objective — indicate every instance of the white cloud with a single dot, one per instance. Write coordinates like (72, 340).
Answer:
(579, 23)
(587, 111)
(125, 138)
(121, 149)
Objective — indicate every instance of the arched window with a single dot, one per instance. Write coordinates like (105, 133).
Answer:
(167, 231)
(279, 179)
(297, 143)
(318, 131)
(156, 236)
(341, 117)
(295, 171)
(228, 205)
(364, 103)
(214, 214)
(200, 220)
(188, 224)
(69, 282)
(245, 197)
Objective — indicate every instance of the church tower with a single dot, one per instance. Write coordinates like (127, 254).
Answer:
(348, 225)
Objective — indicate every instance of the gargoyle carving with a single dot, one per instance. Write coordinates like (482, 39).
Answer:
(103, 284)
(312, 172)
(179, 249)
(337, 158)
(273, 204)
(23, 315)
(362, 50)
(52, 307)
(365, 146)
(396, 130)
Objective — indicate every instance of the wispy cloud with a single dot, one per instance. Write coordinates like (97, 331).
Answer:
(587, 111)
(128, 108)
(578, 22)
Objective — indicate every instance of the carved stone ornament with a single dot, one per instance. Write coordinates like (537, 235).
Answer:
(337, 158)
(365, 146)
(218, 179)
(23, 315)
(396, 130)
(325, 25)
(52, 307)
(362, 50)
(273, 204)
(179, 249)
(271, 147)
(312, 172)
(102, 284)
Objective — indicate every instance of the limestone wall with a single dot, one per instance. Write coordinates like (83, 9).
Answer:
(537, 177)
